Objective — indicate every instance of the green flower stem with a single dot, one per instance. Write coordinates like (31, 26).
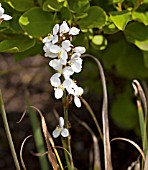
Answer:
(5, 121)
(38, 137)
(66, 141)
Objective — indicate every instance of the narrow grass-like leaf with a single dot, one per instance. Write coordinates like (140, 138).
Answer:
(139, 93)
(133, 143)
(49, 140)
(8, 133)
(39, 140)
(21, 152)
(106, 140)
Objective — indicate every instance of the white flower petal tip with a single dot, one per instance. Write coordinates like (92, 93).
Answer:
(65, 133)
(6, 17)
(77, 101)
(61, 122)
(56, 133)
(64, 27)
(74, 31)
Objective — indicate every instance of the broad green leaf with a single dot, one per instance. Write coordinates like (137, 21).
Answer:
(51, 5)
(110, 28)
(36, 49)
(145, 56)
(124, 113)
(96, 18)
(112, 53)
(65, 13)
(125, 58)
(117, 1)
(36, 22)
(21, 5)
(130, 62)
(40, 2)
(16, 44)
(79, 6)
(120, 18)
(141, 17)
(137, 33)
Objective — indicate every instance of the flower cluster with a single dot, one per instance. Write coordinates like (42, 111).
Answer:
(66, 60)
(4, 16)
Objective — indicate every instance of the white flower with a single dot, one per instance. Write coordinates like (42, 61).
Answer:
(76, 92)
(4, 16)
(60, 129)
(56, 82)
(66, 45)
(74, 31)
(79, 49)
(53, 38)
(76, 62)
(64, 28)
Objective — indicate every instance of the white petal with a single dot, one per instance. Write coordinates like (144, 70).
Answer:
(67, 83)
(75, 55)
(61, 122)
(76, 67)
(77, 101)
(56, 133)
(1, 10)
(55, 49)
(55, 39)
(64, 55)
(79, 49)
(55, 64)
(55, 81)
(65, 132)
(64, 27)
(58, 93)
(67, 71)
(66, 45)
(6, 17)
(74, 31)
(51, 55)
(55, 29)
(47, 39)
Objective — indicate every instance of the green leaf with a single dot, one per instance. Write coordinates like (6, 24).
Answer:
(120, 18)
(36, 22)
(124, 112)
(125, 59)
(145, 56)
(36, 49)
(110, 28)
(96, 18)
(137, 33)
(78, 6)
(16, 44)
(21, 5)
(141, 17)
(65, 13)
(51, 5)
(130, 62)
